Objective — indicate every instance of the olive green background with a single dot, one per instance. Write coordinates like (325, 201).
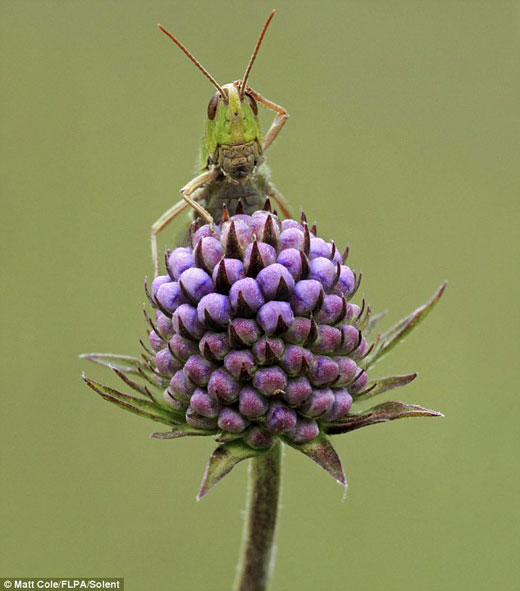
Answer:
(403, 142)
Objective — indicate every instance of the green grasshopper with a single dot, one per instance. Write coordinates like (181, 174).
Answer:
(232, 168)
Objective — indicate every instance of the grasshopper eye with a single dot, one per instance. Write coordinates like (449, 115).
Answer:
(212, 107)
(252, 104)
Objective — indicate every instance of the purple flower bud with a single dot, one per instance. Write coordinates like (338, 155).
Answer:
(214, 308)
(199, 370)
(324, 370)
(297, 391)
(214, 344)
(181, 387)
(212, 251)
(280, 418)
(319, 248)
(265, 251)
(158, 281)
(341, 406)
(275, 317)
(204, 231)
(320, 402)
(243, 332)
(360, 350)
(257, 223)
(299, 331)
(346, 282)
(350, 337)
(331, 310)
(305, 430)
(203, 404)
(291, 259)
(291, 238)
(164, 324)
(182, 348)
(286, 224)
(251, 403)
(165, 363)
(231, 420)
(306, 295)
(240, 364)
(242, 233)
(200, 422)
(270, 381)
(259, 438)
(170, 296)
(324, 271)
(275, 281)
(267, 350)
(196, 283)
(328, 340)
(296, 360)
(155, 341)
(179, 260)
(353, 311)
(359, 384)
(186, 323)
(233, 268)
(180, 405)
(246, 290)
(223, 386)
(243, 217)
(347, 370)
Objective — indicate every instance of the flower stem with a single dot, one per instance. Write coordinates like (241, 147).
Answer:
(261, 511)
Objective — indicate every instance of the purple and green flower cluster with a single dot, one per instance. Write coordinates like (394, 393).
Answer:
(254, 336)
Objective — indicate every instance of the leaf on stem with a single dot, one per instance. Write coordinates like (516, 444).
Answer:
(144, 408)
(222, 461)
(124, 363)
(399, 331)
(182, 431)
(321, 451)
(387, 411)
(384, 385)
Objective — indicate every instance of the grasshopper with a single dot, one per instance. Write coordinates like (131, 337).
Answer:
(232, 167)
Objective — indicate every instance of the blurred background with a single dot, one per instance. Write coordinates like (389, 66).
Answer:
(403, 142)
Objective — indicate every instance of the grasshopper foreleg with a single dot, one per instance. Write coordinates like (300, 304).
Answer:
(279, 121)
(192, 186)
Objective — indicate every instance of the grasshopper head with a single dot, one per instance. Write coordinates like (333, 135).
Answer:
(232, 126)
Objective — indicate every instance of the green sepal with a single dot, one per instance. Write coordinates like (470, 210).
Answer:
(222, 461)
(387, 411)
(388, 340)
(226, 436)
(123, 363)
(380, 385)
(321, 451)
(183, 430)
(144, 408)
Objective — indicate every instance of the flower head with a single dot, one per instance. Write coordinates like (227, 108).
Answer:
(254, 337)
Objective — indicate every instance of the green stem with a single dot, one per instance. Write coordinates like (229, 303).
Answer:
(261, 510)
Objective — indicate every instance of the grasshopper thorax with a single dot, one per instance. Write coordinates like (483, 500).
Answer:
(233, 139)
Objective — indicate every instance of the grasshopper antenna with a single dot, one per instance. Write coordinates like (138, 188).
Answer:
(194, 60)
(255, 52)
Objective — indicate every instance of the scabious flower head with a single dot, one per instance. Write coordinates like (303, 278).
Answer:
(254, 337)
